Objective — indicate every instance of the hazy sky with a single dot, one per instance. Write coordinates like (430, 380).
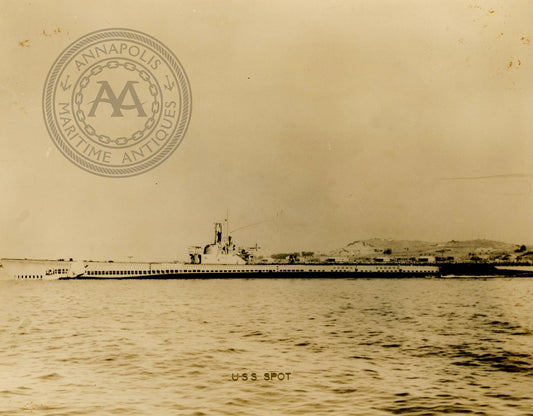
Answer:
(323, 121)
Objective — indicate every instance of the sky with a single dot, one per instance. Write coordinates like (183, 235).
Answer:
(313, 124)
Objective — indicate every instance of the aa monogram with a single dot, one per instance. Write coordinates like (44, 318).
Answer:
(117, 102)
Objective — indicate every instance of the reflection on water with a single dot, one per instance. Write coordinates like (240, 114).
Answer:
(352, 347)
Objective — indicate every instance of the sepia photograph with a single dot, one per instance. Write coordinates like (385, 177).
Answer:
(243, 207)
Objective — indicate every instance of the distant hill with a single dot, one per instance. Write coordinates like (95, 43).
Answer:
(460, 250)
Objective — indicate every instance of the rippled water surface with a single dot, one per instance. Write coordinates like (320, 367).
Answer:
(352, 347)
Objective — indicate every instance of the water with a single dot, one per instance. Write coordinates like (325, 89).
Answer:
(352, 347)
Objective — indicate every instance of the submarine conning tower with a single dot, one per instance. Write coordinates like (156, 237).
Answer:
(221, 251)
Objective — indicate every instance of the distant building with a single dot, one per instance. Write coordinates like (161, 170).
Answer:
(335, 259)
(426, 259)
(382, 259)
